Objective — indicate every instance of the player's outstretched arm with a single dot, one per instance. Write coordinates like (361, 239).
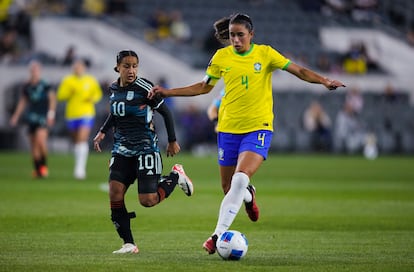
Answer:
(192, 90)
(313, 77)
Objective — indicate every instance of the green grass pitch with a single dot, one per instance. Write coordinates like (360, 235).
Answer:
(318, 213)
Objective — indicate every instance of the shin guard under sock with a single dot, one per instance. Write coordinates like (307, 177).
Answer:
(231, 202)
(43, 161)
(36, 165)
(121, 220)
(167, 185)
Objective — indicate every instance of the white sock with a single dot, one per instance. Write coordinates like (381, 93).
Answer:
(247, 196)
(232, 202)
(81, 157)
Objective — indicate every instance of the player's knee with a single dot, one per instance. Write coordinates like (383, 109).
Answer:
(240, 180)
(148, 200)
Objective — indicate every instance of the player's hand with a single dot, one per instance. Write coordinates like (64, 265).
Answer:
(333, 84)
(13, 121)
(50, 118)
(157, 91)
(98, 138)
(50, 122)
(172, 149)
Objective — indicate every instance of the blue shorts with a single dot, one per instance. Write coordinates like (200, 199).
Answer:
(231, 145)
(75, 124)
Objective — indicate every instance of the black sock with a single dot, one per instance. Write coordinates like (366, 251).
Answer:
(37, 164)
(167, 185)
(122, 223)
(43, 161)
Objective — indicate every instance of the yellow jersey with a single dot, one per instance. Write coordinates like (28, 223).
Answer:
(247, 104)
(81, 94)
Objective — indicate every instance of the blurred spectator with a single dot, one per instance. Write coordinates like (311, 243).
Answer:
(354, 99)
(389, 94)
(180, 30)
(355, 60)
(15, 31)
(9, 49)
(94, 8)
(370, 147)
(70, 56)
(317, 122)
(159, 24)
(213, 109)
(358, 61)
(4, 12)
(349, 134)
(21, 21)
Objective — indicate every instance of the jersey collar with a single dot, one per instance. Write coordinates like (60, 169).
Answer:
(245, 53)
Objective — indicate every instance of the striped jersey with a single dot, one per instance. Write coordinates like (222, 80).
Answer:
(37, 96)
(131, 116)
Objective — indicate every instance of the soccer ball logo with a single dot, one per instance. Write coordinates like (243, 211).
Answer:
(232, 245)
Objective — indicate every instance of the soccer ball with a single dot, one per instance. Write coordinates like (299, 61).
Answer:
(232, 245)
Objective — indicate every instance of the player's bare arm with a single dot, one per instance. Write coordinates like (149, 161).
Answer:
(313, 77)
(192, 90)
(98, 138)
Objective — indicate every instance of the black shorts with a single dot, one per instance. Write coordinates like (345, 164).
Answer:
(33, 127)
(147, 168)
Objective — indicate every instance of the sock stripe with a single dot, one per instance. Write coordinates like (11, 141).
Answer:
(117, 204)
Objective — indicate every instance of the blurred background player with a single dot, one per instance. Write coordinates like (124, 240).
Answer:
(220, 26)
(81, 91)
(135, 152)
(245, 124)
(213, 109)
(38, 99)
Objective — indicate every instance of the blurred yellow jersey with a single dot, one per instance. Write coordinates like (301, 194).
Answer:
(248, 101)
(81, 94)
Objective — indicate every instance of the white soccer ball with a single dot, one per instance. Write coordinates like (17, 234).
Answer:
(232, 245)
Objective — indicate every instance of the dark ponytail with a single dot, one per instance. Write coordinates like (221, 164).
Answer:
(222, 30)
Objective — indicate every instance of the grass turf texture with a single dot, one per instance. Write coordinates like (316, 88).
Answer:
(318, 213)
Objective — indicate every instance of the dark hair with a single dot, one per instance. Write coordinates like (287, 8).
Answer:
(122, 54)
(244, 19)
(221, 27)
